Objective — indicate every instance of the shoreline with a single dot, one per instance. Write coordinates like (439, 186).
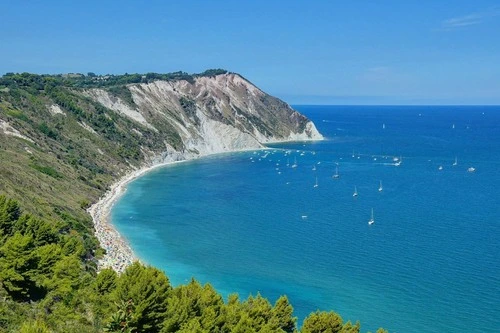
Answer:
(119, 255)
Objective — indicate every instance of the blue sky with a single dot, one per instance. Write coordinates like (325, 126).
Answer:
(305, 52)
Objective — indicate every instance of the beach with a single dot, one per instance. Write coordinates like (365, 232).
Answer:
(118, 252)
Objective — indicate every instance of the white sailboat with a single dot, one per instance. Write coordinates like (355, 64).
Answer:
(372, 220)
(316, 184)
(380, 188)
(336, 174)
(456, 162)
(355, 194)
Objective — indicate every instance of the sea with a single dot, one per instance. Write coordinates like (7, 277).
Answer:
(278, 221)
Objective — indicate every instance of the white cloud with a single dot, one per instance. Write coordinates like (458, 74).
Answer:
(455, 23)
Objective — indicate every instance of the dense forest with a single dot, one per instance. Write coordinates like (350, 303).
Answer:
(62, 153)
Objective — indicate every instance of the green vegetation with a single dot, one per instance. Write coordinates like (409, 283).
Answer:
(48, 250)
(91, 80)
(49, 283)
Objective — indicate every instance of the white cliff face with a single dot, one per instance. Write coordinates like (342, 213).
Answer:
(116, 104)
(212, 114)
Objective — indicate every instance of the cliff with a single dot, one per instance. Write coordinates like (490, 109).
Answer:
(66, 138)
(212, 114)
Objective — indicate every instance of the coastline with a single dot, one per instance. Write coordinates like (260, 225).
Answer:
(119, 254)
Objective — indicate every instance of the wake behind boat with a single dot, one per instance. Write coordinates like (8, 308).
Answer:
(372, 220)
(336, 174)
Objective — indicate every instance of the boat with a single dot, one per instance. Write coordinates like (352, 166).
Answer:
(440, 168)
(456, 162)
(355, 194)
(380, 188)
(372, 220)
(316, 184)
(383, 126)
(314, 168)
(471, 169)
(336, 174)
(294, 165)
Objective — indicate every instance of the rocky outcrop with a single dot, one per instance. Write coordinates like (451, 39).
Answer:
(210, 114)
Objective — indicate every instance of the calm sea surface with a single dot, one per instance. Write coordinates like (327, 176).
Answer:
(250, 222)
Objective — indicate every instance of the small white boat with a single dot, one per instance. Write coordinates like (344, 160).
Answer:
(471, 169)
(440, 168)
(314, 168)
(372, 220)
(294, 165)
(316, 184)
(456, 162)
(383, 126)
(380, 188)
(355, 194)
(336, 174)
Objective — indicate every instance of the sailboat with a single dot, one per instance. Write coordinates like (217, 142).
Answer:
(336, 175)
(316, 184)
(456, 162)
(380, 188)
(372, 220)
(355, 194)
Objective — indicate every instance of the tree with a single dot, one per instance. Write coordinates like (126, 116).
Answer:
(282, 315)
(9, 213)
(105, 281)
(322, 322)
(193, 303)
(147, 288)
(18, 265)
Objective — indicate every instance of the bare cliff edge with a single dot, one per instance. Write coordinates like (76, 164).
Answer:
(210, 115)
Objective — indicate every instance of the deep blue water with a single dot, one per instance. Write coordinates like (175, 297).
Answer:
(429, 263)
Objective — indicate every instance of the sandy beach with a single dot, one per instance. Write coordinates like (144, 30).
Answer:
(118, 252)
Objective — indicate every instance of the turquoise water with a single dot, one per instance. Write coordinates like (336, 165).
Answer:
(429, 263)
